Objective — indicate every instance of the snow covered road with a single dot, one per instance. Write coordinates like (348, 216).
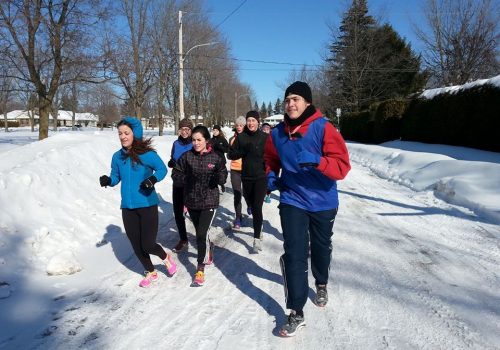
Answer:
(409, 272)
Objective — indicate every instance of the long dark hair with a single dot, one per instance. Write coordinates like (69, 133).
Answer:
(139, 146)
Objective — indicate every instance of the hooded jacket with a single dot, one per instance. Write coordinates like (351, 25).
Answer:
(131, 175)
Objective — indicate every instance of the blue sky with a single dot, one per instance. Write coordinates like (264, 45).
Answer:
(292, 32)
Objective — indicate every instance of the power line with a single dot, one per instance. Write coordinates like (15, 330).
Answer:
(232, 13)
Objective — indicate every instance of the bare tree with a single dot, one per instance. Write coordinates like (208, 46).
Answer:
(131, 56)
(461, 38)
(164, 38)
(102, 101)
(43, 38)
(5, 94)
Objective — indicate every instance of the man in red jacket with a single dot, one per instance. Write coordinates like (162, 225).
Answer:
(312, 156)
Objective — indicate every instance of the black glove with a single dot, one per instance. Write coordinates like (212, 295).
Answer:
(171, 163)
(213, 182)
(149, 183)
(105, 181)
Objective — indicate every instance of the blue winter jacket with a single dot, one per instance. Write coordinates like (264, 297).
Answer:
(131, 176)
(306, 188)
(180, 147)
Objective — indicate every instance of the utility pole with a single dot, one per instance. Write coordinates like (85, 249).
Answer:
(181, 78)
(236, 98)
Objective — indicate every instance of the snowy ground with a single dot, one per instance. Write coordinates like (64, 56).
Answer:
(415, 262)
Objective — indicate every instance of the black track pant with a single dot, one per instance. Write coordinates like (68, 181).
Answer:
(178, 203)
(141, 226)
(254, 192)
(236, 184)
(202, 219)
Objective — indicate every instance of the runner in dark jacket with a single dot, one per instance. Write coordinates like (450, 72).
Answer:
(201, 171)
(249, 146)
(220, 146)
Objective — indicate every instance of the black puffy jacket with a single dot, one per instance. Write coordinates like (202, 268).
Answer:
(249, 146)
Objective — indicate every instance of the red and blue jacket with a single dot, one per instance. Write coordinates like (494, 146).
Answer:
(309, 188)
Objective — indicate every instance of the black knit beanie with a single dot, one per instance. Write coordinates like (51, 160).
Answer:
(300, 88)
(253, 114)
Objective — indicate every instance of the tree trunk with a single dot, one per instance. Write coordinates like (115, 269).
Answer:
(6, 122)
(44, 110)
(31, 115)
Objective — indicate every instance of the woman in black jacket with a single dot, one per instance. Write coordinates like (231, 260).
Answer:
(249, 146)
(201, 170)
(219, 145)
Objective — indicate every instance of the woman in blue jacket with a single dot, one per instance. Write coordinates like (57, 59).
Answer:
(179, 147)
(138, 167)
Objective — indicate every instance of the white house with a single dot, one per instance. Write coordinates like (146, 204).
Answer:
(21, 118)
(274, 119)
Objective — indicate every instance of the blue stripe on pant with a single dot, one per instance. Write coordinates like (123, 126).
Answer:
(298, 226)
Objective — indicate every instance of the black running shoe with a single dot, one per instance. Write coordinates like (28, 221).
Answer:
(321, 296)
(182, 245)
(292, 325)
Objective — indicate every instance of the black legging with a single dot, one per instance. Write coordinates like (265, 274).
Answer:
(141, 226)
(202, 219)
(236, 184)
(178, 204)
(254, 192)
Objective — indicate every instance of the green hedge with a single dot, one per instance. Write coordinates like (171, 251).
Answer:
(469, 118)
(387, 121)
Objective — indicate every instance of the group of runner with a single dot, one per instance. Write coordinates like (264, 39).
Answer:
(302, 158)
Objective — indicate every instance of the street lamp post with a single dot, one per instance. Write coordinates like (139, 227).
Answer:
(236, 98)
(182, 57)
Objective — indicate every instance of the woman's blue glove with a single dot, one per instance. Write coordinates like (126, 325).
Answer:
(308, 159)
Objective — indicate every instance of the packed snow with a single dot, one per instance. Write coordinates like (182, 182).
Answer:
(415, 256)
(431, 93)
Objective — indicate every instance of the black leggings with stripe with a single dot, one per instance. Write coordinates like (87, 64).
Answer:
(202, 219)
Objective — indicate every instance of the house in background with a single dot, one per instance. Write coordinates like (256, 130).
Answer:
(20, 118)
(274, 119)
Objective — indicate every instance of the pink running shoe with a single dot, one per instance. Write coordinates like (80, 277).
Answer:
(170, 265)
(210, 259)
(149, 278)
(199, 279)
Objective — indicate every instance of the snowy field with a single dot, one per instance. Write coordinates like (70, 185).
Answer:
(415, 263)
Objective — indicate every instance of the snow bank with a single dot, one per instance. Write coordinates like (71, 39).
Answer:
(471, 184)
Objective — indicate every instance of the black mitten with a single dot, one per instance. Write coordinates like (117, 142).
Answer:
(213, 182)
(171, 163)
(105, 181)
(149, 183)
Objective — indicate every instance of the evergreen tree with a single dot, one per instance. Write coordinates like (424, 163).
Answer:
(370, 62)
(269, 109)
(255, 106)
(278, 107)
(396, 67)
(351, 56)
(263, 111)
